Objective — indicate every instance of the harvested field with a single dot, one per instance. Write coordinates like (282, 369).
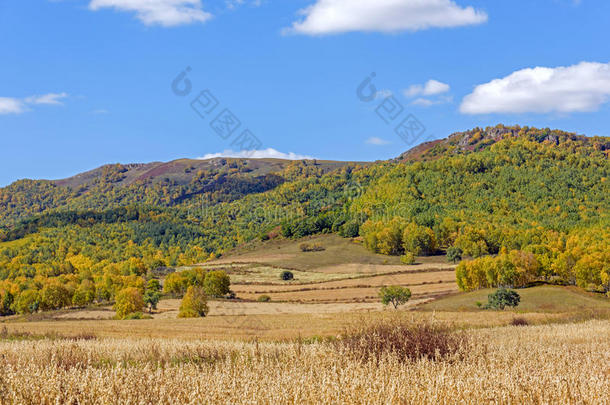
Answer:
(508, 365)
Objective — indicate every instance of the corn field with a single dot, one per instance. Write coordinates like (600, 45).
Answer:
(562, 364)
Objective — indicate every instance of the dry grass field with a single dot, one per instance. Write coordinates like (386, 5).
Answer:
(562, 364)
(344, 272)
(292, 349)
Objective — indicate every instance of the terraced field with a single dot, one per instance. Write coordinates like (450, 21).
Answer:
(344, 272)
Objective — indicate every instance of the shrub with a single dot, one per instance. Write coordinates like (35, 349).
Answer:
(406, 341)
(217, 283)
(264, 298)
(316, 247)
(407, 258)
(194, 304)
(503, 298)
(350, 229)
(133, 315)
(128, 301)
(286, 275)
(395, 295)
(519, 321)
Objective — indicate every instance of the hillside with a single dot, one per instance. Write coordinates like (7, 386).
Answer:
(160, 184)
(524, 204)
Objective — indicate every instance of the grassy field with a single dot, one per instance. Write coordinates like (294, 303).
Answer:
(287, 253)
(535, 299)
(344, 272)
(567, 364)
(278, 321)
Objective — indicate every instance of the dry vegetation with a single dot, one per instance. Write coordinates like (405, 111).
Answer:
(566, 364)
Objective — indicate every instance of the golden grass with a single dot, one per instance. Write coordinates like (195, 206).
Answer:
(351, 294)
(272, 325)
(566, 364)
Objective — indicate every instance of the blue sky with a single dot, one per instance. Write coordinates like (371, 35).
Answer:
(89, 82)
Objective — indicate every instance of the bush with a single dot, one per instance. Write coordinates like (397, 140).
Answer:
(217, 283)
(407, 258)
(406, 341)
(519, 321)
(194, 304)
(350, 229)
(503, 298)
(286, 275)
(316, 247)
(264, 298)
(128, 301)
(395, 295)
(133, 315)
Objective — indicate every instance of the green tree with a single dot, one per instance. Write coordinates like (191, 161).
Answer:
(286, 275)
(395, 295)
(503, 298)
(84, 294)
(418, 240)
(454, 254)
(54, 296)
(175, 284)
(194, 303)
(28, 302)
(6, 303)
(128, 301)
(217, 283)
(152, 295)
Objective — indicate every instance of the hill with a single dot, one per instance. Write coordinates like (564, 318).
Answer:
(520, 204)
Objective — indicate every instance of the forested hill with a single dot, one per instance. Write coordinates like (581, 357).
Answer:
(478, 139)
(525, 204)
(154, 184)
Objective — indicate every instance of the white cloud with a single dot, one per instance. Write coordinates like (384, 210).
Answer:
(49, 99)
(430, 88)
(427, 102)
(167, 13)
(256, 154)
(338, 16)
(10, 105)
(577, 88)
(377, 141)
